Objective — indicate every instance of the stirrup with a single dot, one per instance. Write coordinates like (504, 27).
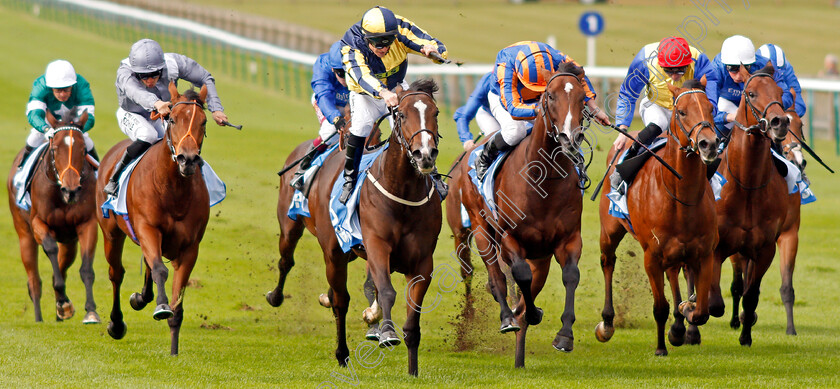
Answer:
(111, 188)
(297, 180)
(346, 191)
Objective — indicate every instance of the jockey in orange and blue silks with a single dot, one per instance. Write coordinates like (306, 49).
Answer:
(516, 94)
(670, 61)
(375, 59)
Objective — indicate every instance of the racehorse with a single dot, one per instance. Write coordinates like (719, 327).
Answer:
(400, 218)
(788, 241)
(754, 203)
(168, 208)
(61, 216)
(548, 208)
(673, 219)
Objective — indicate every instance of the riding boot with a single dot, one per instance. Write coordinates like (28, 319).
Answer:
(489, 154)
(133, 151)
(355, 149)
(646, 136)
(94, 154)
(440, 185)
(305, 163)
(26, 151)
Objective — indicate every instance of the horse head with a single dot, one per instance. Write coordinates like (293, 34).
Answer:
(561, 106)
(692, 122)
(792, 148)
(186, 128)
(416, 126)
(764, 101)
(67, 154)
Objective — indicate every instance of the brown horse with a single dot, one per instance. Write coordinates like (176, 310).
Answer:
(754, 202)
(788, 241)
(400, 217)
(542, 220)
(168, 208)
(62, 217)
(673, 219)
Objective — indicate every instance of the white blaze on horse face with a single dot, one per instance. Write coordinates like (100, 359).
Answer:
(425, 138)
(68, 141)
(567, 125)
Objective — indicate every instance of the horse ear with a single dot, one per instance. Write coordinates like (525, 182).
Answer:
(546, 74)
(82, 120)
(202, 94)
(173, 91)
(675, 90)
(703, 81)
(744, 72)
(793, 94)
(52, 120)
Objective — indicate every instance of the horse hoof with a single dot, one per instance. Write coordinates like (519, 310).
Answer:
(564, 343)
(91, 318)
(745, 340)
(372, 314)
(274, 299)
(508, 325)
(372, 334)
(755, 318)
(676, 336)
(117, 331)
(735, 323)
(603, 332)
(692, 337)
(162, 312)
(136, 301)
(64, 311)
(388, 339)
(662, 353)
(791, 331)
(534, 317)
(686, 307)
(324, 300)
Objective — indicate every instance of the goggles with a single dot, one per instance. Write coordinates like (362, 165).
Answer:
(677, 70)
(381, 42)
(339, 73)
(145, 76)
(735, 68)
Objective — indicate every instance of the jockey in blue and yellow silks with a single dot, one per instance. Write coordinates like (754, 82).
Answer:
(374, 56)
(515, 95)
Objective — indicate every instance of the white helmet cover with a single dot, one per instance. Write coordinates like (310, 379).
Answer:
(736, 50)
(60, 74)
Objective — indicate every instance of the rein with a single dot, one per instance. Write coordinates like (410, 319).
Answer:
(60, 175)
(173, 151)
(692, 143)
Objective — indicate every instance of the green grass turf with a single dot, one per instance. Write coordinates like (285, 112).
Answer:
(232, 338)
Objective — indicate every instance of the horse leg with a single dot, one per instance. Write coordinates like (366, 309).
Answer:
(66, 257)
(418, 283)
(737, 287)
(64, 308)
(521, 272)
(462, 252)
(379, 257)
(716, 305)
(373, 313)
(290, 233)
(539, 270)
(183, 268)
(611, 234)
(754, 274)
(88, 235)
(656, 276)
(676, 335)
(138, 301)
(490, 254)
(116, 273)
(568, 258)
(29, 257)
(788, 245)
(692, 335)
(336, 264)
(150, 239)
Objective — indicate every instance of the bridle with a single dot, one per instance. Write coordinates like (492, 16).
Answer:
(60, 175)
(171, 121)
(551, 127)
(692, 142)
(397, 131)
(759, 115)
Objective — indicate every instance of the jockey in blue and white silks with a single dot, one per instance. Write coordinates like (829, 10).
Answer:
(478, 108)
(780, 62)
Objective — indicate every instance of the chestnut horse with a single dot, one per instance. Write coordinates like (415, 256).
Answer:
(62, 217)
(400, 218)
(168, 208)
(788, 241)
(542, 219)
(673, 219)
(754, 202)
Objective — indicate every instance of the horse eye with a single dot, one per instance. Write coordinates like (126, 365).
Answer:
(681, 112)
(437, 113)
(750, 94)
(550, 96)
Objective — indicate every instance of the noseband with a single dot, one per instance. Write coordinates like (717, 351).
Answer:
(171, 121)
(59, 175)
(759, 116)
(692, 143)
(398, 118)
(551, 127)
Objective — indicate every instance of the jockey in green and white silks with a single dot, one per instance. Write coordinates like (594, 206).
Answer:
(61, 91)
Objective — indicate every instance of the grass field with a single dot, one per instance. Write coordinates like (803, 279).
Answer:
(232, 338)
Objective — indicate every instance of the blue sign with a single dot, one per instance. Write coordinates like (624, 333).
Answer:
(591, 23)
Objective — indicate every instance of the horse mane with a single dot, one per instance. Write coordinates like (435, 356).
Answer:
(570, 67)
(426, 85)
(693, 84)
(192, 95)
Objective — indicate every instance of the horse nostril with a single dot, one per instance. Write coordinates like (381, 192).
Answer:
(416, 154)
(704, 144)
(64, 190)
(775, 122)
(434, 153)
(181, 159)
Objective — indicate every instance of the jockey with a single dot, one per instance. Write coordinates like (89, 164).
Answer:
(727, 87)
(374, 56)
(329, 98)
(143, 86)
(60, 90)
(478, 108)
(670, 61)
(516, 93)
(777, 57)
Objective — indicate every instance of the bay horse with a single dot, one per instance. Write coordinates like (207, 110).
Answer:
(168, 208)
(755, 201)
(61, 217)
(673, 219)
(544, 217)
(400, 218)
(788, 241)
